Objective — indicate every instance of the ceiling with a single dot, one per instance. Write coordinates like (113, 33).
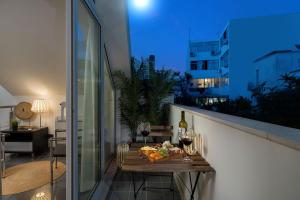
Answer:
(32, 44)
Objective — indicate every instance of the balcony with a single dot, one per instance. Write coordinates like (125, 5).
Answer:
(253, 160)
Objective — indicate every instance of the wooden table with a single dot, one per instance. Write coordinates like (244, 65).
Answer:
(135, 163)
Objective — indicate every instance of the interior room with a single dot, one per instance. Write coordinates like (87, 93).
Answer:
(33, 98)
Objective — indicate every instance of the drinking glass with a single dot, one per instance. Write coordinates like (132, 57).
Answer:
(145, 130)
(187, 140)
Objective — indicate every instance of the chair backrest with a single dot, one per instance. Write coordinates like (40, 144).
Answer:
(161, 127)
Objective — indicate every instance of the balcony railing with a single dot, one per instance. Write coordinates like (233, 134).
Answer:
(252, 159)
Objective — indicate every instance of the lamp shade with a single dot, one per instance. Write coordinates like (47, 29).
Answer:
(40, 106)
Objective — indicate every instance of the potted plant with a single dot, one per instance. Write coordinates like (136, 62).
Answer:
(130, 100)
(14, 124)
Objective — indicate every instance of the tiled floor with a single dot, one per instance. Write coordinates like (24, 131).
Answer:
(55, 192)
(122, 188)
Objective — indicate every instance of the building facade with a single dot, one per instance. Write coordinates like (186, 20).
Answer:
(240, 44)
(210, 76)
(144, 66)
(270, 68)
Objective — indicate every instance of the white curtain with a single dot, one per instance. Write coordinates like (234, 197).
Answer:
(89, 149)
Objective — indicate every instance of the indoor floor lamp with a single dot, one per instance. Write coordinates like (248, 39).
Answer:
(40, 106)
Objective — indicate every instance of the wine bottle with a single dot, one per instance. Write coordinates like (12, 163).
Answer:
(183, 124)
(182, 128)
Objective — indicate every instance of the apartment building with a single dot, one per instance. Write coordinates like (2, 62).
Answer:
(210, 76)
(226, 66)
(270, 67)
(144, 66)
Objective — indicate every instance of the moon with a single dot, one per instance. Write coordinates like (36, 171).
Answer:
(141, 4)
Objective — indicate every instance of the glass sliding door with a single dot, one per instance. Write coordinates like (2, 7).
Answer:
(87, 105)
(109, 115)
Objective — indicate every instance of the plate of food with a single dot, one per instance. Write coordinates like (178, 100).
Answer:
(159, 152)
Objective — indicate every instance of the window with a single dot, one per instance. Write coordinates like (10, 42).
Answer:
(194, 65)
(204, 46)
(204, 65)
(88, 101)
(213, 64)
(211, 82)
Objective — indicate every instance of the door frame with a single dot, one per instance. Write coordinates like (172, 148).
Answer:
(72, 175)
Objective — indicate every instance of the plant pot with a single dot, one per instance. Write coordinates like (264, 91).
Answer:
(14, 127)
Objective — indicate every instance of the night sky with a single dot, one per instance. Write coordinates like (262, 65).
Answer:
(163, 27)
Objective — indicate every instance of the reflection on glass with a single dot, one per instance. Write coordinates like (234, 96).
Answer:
(109, 115)
(88, 40)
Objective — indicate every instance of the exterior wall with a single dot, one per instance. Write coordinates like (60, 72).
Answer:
(197, 53)
(271, 68)
(253, 160)
(251, 38)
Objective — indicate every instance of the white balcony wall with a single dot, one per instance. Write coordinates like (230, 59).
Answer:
(253, 160)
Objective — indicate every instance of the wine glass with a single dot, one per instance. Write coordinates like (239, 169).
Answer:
(187, 140)
(145, 130)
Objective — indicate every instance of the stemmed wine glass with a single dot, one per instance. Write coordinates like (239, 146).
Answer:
(187, 140)
(145, 130)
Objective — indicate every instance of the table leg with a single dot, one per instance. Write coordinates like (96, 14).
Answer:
(135, 192)
(172, 185)
(195, 185)
(191, 185)
(133, 182)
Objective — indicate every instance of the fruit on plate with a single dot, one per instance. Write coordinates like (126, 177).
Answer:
(155, 156)
(147, 150)
(163, 152)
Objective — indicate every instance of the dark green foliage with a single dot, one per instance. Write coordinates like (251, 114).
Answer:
(183, 84)
(14, 124)
(280, 106)
(143, 100)
(156, 90)
(240, 107)
(130, 100)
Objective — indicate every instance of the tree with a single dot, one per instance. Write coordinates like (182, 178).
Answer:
(183, 84)
(280, 105)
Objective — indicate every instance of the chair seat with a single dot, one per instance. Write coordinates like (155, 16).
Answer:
(59, 150)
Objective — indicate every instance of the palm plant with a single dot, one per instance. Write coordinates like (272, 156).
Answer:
(156, 89)
(130, 100)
